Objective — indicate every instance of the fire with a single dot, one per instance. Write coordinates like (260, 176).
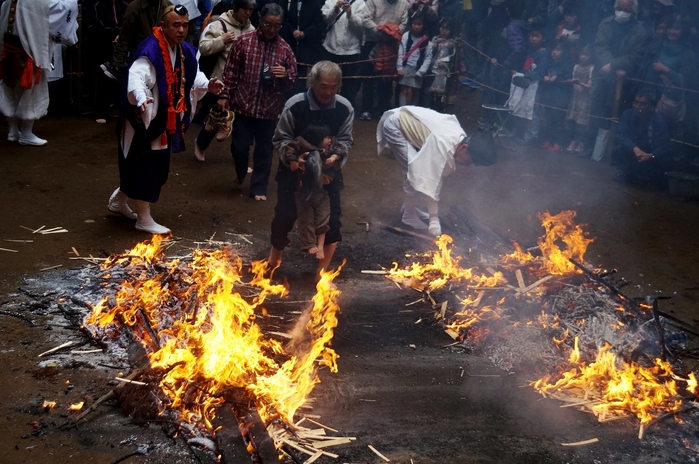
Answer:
(442, 269)
(561, 227)
(519, 255)
(201, 333)
(614, 385)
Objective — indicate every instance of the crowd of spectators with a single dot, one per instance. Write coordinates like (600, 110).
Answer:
(583, 61)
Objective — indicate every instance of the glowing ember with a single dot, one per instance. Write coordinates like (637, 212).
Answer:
(615, 386)
(207, 340)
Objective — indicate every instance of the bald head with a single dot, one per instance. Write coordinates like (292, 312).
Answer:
(175, 24)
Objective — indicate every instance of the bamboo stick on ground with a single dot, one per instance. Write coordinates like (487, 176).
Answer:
(58, 348)
(378, 453)
(581, 443)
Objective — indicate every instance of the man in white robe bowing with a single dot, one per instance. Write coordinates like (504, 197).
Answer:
(428, 145)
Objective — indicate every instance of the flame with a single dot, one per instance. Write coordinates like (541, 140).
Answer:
(442, 268)
(561, 227)
(209, 343)
(692, 386)
(619, 385)
(519, 255)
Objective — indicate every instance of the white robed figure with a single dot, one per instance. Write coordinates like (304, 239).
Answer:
(428, 145)
(39, 24)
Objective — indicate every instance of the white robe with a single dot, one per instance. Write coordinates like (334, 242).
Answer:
(34, 30)
(435, 159)
(142, 84)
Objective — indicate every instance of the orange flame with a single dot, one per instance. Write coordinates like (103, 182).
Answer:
(561, 228)
(618, 385)
(441, 270)
(215, 344)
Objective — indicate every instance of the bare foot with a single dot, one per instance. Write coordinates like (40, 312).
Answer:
(313, 250)
(199, 153)
(260, 198)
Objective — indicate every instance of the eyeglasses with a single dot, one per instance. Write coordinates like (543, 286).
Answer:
(181, 10)
(269, 25)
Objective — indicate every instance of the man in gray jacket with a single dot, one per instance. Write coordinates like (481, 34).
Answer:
(618, 52)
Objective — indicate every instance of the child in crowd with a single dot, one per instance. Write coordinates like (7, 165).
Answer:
(315, 155)
(414, 58)
(535, 68)
(569, 31)
(442, 52)
(555, 97)
(579, 108)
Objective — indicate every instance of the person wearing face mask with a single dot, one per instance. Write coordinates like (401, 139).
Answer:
(618, 51)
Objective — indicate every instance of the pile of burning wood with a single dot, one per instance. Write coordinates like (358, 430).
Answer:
(207, 362)
(564, 325)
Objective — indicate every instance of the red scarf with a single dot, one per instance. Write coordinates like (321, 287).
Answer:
(172, 109)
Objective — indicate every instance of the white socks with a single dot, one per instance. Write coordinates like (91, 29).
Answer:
(435, 228)
(117, 204)
(410, 217)
(145, 222)
(26, 137)
(13, 133)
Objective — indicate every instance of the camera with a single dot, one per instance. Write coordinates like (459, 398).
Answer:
(267, 78)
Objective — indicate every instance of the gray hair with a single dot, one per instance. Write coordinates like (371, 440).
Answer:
(634, 5)
(271, 9)
(324, 68)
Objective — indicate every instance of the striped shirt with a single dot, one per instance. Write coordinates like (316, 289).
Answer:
(250, 54)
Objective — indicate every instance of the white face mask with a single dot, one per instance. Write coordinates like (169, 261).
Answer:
(621, 16)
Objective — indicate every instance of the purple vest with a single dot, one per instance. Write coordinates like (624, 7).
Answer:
(150, 49)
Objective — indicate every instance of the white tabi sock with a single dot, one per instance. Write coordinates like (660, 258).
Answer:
(145, 222)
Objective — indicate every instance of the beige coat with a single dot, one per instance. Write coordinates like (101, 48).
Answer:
(211, 41)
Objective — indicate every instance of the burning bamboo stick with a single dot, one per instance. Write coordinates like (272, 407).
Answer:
(378, 453)
(376, 272)
(86, 351)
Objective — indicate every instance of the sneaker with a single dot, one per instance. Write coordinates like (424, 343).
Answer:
(546, 145)
(571, 148)
(111, 72)
(555, 148)
(365, 116)
(580, 149)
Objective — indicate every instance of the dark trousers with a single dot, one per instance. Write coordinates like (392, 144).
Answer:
(205, 138)
(285, 210)
(350, 86)
(143, 172)
(106, 93)
(376, 92)
(246, 130)
(650, 173)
